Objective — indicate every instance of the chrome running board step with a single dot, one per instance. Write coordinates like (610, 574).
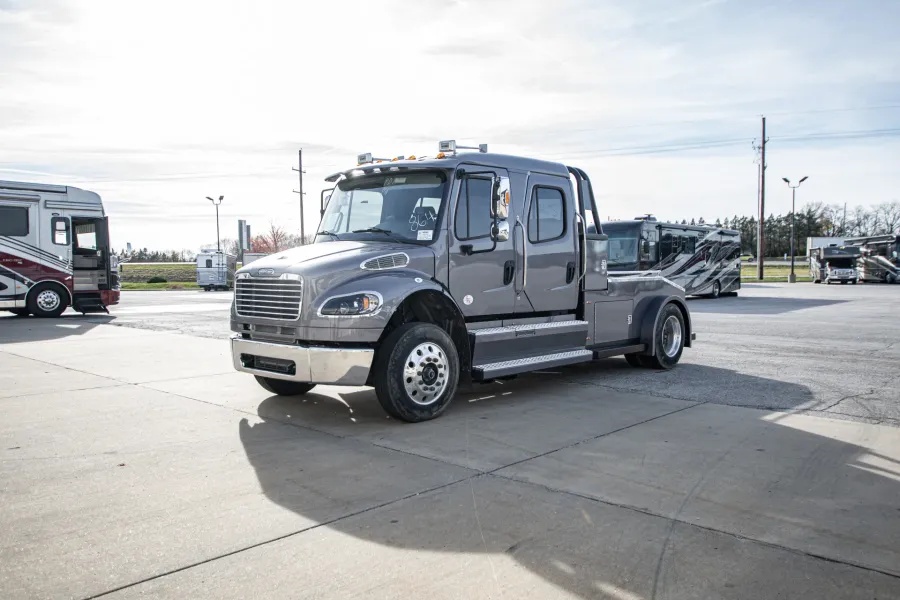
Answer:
(513, 342)
(521, 365)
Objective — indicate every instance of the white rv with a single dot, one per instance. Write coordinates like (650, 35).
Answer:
(215, 270)
(54, 251)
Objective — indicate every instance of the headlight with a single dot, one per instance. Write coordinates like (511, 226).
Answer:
(352, 305)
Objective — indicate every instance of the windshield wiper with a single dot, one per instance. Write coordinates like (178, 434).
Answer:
(386, 232)
(331, 233)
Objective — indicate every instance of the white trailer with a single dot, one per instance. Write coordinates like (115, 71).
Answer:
(249, 257)
(215, 270)
(823, 242)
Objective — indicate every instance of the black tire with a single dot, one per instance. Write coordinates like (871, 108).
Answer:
(19, 312)
(406, 397)
(660, 359)
(47, 300)
(716, 290)
(634, 360)
(283, 387)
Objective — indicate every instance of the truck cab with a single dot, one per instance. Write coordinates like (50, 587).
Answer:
(428, 272)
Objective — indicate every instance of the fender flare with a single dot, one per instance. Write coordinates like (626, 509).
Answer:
(57, 282)
(648, 327)
(464, 346)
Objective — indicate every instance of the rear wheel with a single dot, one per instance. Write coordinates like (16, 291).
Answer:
(47, 300)
(669, 340)
(716, 290)
(283, 387)
(416, 372)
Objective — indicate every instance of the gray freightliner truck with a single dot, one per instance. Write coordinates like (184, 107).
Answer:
(426, 273)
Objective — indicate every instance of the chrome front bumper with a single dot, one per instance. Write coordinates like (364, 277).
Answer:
(312, 364)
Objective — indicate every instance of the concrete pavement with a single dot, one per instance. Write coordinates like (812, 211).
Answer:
(135, 463)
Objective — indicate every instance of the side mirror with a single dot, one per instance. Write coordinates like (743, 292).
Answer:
(500, 231)
(500, 199)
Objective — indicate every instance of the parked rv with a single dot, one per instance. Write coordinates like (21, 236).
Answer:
(54, 251)
(877, 258)
(215, 270)
(876, 268)
(472, 266)
(834, 264)
(704, 260)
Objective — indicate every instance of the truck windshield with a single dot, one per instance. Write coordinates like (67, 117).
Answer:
(623, 244)
(402, 206)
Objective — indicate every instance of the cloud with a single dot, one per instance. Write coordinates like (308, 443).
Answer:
(156, 105)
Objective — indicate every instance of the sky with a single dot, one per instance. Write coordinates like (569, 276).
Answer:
(156, 105)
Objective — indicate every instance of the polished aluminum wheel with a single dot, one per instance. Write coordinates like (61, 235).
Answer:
(48, 300)
(425, 373)
(671, 336)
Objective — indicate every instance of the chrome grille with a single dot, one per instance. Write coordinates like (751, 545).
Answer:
(268, 298)
(388, 261)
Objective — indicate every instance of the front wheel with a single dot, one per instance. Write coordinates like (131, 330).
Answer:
(283, 387)
(669, 340)
(716, 290)
(416, 372)
(46, 301)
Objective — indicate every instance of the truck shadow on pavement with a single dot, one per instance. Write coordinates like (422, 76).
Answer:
(603, 493)
(33, 329)
(756, 305)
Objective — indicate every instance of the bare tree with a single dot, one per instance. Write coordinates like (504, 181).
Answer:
(888, 214)
(862, 222)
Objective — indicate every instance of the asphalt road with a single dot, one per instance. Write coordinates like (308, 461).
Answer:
(136, 463)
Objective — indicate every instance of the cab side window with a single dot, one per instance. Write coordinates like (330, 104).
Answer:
(14, 221)
(546, 215)
(473, 209)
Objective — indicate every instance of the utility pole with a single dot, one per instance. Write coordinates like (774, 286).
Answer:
(761, 223)
(300, 173)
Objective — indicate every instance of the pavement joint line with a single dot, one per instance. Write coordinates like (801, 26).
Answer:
(283, 537)
(186, 377)
(644, 511)
(93, 387)
(68, 368)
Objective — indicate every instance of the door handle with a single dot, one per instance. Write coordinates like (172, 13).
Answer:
(570, 271)
(509, 271)
(466, 249)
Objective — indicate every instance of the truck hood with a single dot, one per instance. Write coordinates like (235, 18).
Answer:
(337, 260)
(283, 261)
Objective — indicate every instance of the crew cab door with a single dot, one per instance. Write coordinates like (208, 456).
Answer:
(481, 269)
(547, 230)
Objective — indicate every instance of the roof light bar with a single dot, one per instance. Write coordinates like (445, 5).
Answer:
(367, 159)
(450, 147)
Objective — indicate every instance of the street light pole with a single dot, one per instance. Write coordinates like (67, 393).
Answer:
(216, 204)
(793, 278)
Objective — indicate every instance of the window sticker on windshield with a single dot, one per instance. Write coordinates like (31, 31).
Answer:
(424, 234)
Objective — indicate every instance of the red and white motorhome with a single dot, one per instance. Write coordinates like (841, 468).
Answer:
(54, 251)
